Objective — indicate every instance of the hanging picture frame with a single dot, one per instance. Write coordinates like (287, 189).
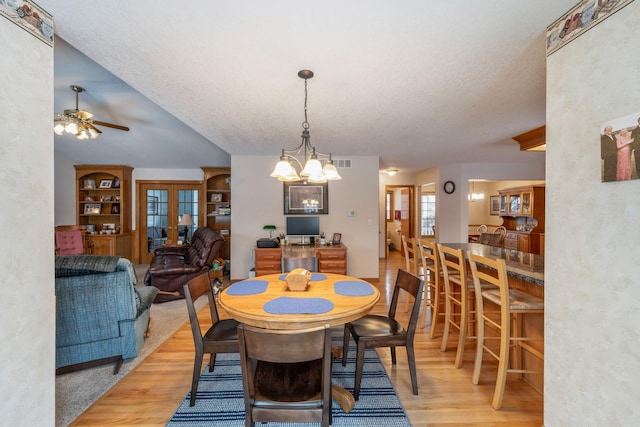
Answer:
(302, 198)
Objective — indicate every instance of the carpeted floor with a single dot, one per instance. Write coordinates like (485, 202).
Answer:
(220, 400)
(76, 391)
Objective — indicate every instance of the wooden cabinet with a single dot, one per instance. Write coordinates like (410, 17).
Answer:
(217, 193)
(522, 212)
(268, 261)
(331, 259)
(523, 202)
(104, 207)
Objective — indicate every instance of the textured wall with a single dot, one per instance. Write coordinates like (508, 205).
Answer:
(592, 289)
(27, 339)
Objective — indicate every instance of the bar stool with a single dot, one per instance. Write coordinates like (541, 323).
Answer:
(513, 304)
(434, 291)
(413, 262)
(458, 290)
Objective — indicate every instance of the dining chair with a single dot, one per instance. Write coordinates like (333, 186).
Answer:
(69, 240)
(372, 331)
(507, 322)
(458, 289)
(434, 289)
(271, 361)
(221, 337)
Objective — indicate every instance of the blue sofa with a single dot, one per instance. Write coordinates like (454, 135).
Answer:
(100, 315)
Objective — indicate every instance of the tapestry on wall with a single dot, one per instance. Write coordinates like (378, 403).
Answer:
(30, 17)
(585, 15)
(620, 148)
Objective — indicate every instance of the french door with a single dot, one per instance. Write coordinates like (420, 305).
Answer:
(161, 207)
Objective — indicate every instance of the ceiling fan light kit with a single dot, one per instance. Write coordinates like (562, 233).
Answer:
(80, 123)
(313, 171)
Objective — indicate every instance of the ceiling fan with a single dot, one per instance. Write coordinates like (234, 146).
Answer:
(79, 122)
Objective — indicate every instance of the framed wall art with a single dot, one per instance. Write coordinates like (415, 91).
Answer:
(494, 205)
(620, 148)
(302, 198)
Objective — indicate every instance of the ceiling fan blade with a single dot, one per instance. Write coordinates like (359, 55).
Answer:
(110, 125)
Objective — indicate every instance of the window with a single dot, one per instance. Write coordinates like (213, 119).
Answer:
(388, 206)
(427, 214)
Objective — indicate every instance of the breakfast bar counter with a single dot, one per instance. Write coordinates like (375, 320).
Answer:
(523, 265)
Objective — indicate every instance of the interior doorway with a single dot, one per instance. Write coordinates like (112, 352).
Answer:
(400, 215)
(161, 205)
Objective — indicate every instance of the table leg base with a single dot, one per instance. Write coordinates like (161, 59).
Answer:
(343, 397)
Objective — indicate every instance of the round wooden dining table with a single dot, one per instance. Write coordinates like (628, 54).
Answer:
(330, 299)
(265, 302)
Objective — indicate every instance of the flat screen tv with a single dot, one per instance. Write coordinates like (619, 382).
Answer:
(303, 226)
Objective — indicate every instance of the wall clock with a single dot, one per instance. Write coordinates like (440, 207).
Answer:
(449, 187)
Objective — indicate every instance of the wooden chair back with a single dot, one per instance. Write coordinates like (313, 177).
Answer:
(458, 298)
(221, 337)
(411, 257)
(412, 285)
(270, 362)
(433, 280)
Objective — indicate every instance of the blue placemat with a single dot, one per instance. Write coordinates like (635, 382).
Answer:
(315, 277)
(352, 288)
(247, 287)
(289, 305)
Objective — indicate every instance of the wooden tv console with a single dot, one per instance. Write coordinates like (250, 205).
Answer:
(331, 258)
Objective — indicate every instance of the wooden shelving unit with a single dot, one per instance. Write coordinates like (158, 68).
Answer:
(217, 191)
(104, 204)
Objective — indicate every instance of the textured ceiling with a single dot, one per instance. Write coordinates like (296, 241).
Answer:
(418, 83)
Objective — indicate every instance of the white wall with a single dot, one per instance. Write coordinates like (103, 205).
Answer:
(64, 190)
(592, 290)
(27, 321)
(258, 200)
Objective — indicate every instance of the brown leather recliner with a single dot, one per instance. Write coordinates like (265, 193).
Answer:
(172, 267)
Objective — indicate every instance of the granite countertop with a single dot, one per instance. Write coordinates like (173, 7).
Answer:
(527, 266)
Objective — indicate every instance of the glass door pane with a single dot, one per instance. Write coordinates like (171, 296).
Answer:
(157, 219)
(188, 204)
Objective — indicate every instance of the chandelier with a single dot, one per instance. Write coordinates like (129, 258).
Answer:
(305, 157)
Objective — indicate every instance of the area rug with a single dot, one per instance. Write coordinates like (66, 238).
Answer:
(220, 401)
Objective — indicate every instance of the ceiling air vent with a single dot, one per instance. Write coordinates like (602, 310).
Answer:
(342, 163)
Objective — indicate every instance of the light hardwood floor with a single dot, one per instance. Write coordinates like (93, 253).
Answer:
(150, 394)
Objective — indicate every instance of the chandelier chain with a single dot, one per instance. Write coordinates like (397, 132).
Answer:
(305, 124)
